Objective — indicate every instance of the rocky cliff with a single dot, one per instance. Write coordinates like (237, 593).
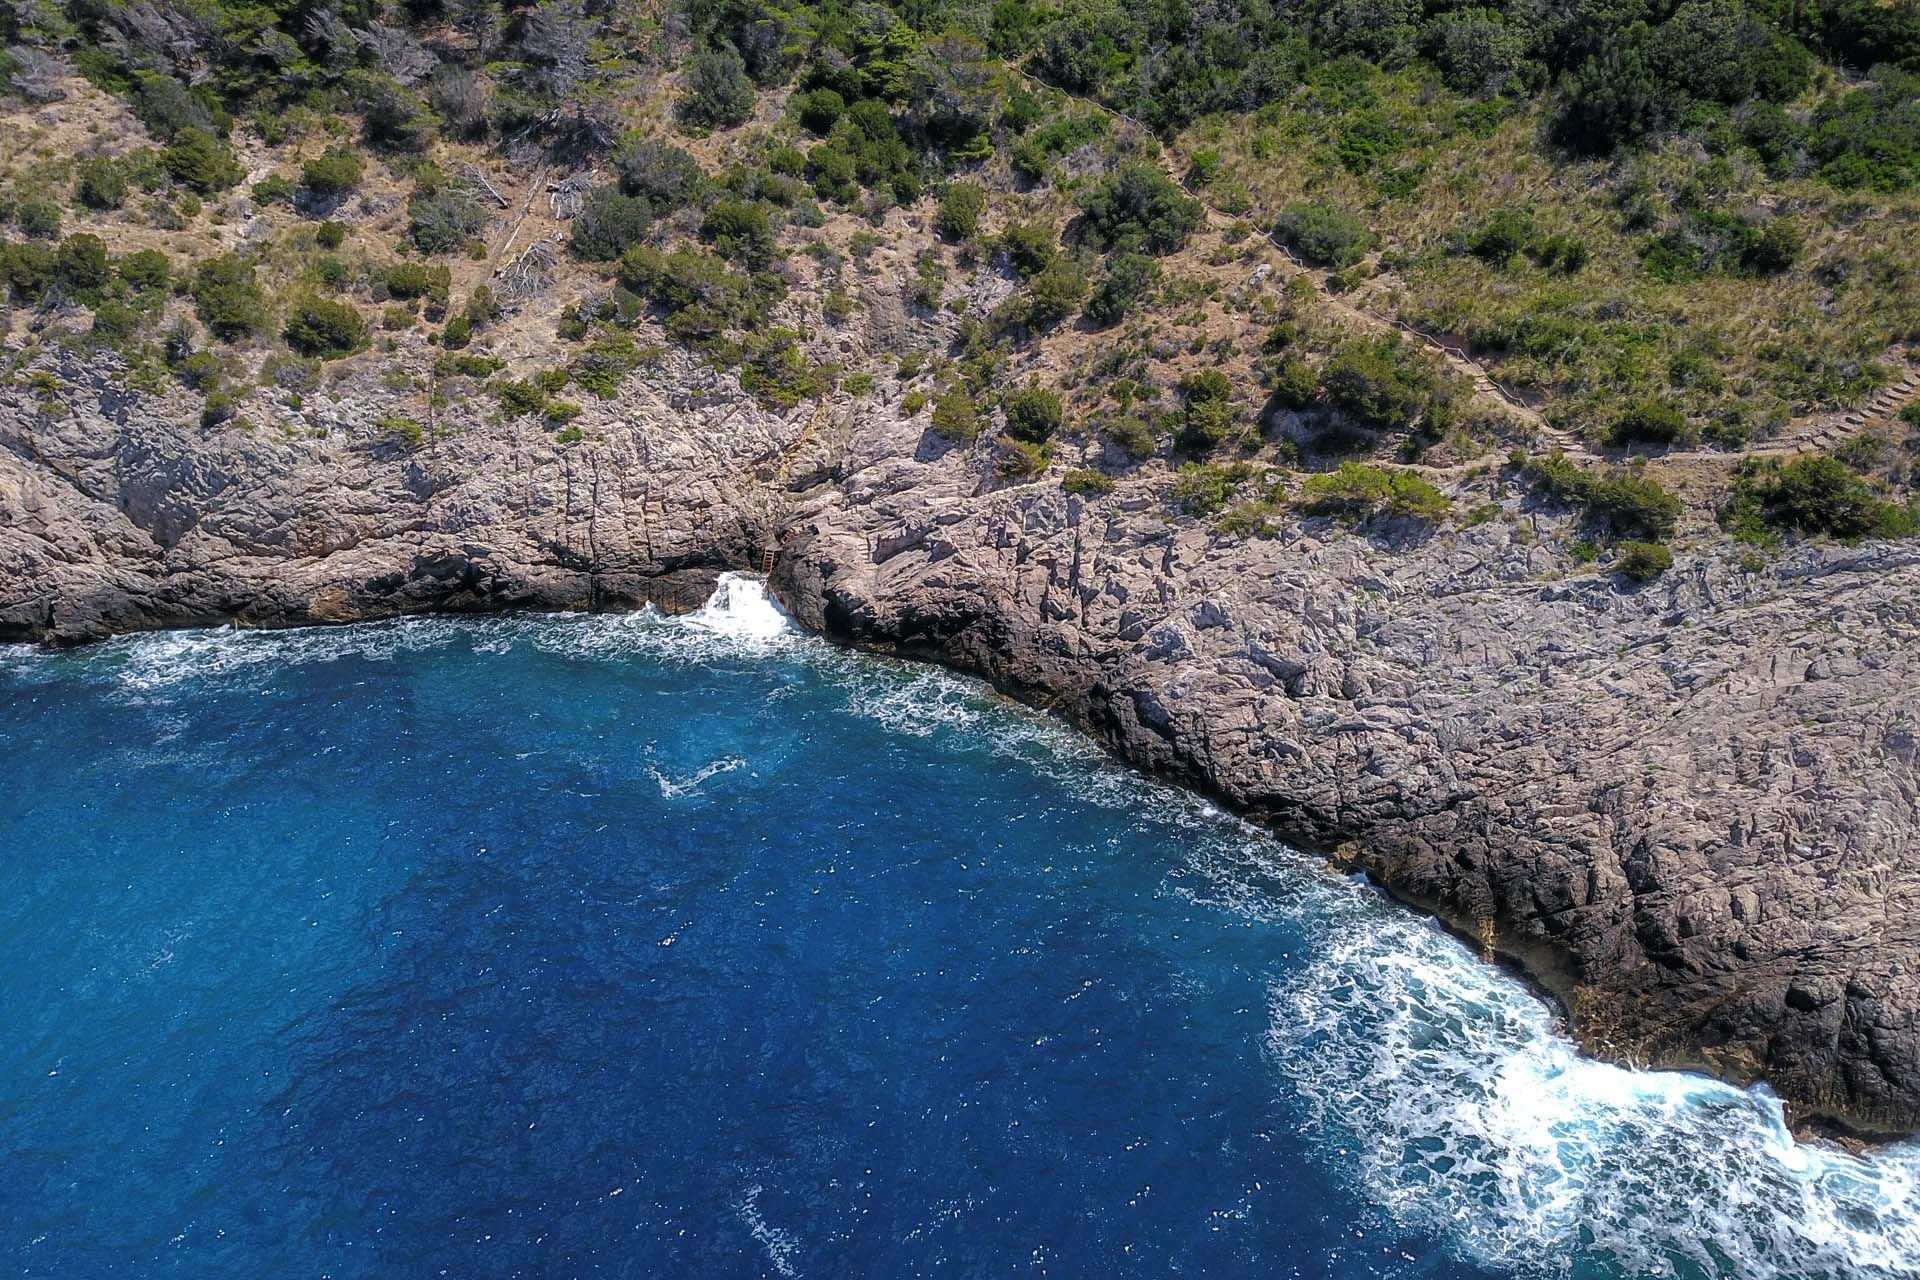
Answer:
(1687, 808)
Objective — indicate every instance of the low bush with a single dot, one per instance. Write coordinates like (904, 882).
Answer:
(1642, 561)
(81, 263)
(1812, 496)
(102, 183)
(1055, 293)
(442, 221)
(961, 205)
(1384, 383)
(956, 416)
(334, 172)
(407, 280)
(1138, 209)
(1648, 422)
(1624, 501)
(1033, 413)
(1359, 491)
(608, 224)
(1130, 277)
(1205, 488)
(201, 162)
(1207, 418)
(1087, 482)
(1323, 236)
(145, 269)
(325, 329)
(228, 298)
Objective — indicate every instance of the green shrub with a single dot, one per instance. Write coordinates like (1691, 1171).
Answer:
(27, 269)
(778, 374)
(1134, 434)
(102, 183)
(961, 205)
(1870, 137)
(956, 416)
(718, 92)
(457, 334)
(325, 329)
(1020, 458)
(1642, 561)
(442, 221)
(740, 231)
(1649, 422)
(228, 298)
(1055, 293)
(417, 280)
(1814, 495)
(329, 235)
(201, 162)
(1358, 491)
(1033, 413)
(1130, 277)
(608, 224)
(81, 263)
(1031, 247)
(659, 172)
(818, 110)
(145, 269)
(1561, 252)
(520, 398)
(1623, 500)
(1140, 210)
(1383, 383)
(115, 321)
(1204, 488)
(38, 217)
(401, 429)
(1087, 482)
(1501, 237)
(167, 107)
(334, 172)
(1207, 415)
(275, 188)
(1323, 236)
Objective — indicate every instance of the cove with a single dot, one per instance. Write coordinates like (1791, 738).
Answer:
(633, 946)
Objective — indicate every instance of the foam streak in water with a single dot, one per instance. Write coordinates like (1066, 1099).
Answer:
(1469, 1113)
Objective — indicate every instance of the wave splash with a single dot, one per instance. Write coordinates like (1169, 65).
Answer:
(1468, 1113)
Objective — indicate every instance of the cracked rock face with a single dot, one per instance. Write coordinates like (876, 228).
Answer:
(1688, 809)
(120, 512)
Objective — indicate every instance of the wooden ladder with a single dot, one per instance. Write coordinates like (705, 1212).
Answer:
(766, 562)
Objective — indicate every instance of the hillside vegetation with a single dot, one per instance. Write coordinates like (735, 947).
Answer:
(1430, 253)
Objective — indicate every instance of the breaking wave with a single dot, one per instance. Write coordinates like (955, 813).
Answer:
(1465, 1111)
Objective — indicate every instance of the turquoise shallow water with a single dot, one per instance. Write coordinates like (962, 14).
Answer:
(621, 946)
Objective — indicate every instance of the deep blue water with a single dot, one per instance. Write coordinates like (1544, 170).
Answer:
(561, 947)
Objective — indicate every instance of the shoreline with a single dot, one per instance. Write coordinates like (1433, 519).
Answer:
(1534, 966)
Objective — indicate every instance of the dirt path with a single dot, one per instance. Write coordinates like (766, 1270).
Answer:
(1812, 433)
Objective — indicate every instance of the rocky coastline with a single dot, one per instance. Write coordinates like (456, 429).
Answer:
(1688, 809)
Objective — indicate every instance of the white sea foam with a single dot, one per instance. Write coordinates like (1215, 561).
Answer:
(673, 788)
(780, 1245)
(1463, 1110)
(740, 609)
